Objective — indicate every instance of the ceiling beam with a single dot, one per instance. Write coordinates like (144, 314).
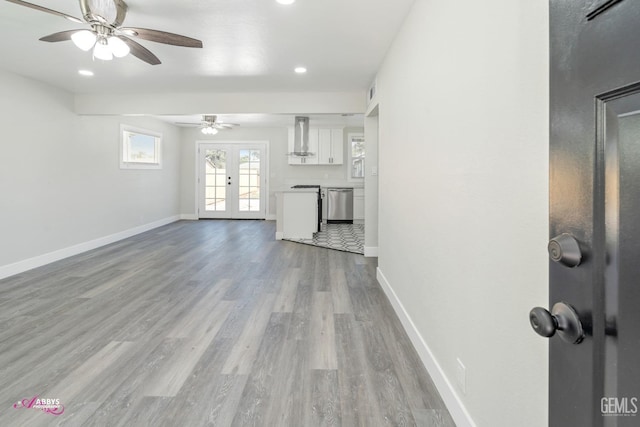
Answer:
(228, 103)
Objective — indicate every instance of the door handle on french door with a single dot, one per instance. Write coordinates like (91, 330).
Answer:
(563, 319)
(565, 250)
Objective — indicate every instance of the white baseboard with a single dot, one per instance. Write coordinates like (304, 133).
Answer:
(455, 406)
(279, 235)
(40, 260)
(370, 251)
(271, 217)
(189, 217)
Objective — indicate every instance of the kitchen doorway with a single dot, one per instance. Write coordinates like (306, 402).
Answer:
(232, 180)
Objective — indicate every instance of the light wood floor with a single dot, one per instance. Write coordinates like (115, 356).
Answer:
(209, 323)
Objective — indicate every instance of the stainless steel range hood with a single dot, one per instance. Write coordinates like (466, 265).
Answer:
(301, 138)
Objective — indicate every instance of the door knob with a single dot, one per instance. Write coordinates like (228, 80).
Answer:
(565, 250)
(563, 319)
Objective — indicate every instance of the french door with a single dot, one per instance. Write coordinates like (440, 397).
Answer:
(231, 180)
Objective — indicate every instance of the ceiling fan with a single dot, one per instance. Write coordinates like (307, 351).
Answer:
(107, 36)
(210, 125)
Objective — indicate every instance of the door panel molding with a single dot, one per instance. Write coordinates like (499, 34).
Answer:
(602, 8)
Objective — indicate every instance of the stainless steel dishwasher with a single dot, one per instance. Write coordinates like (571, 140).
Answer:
(340, 205)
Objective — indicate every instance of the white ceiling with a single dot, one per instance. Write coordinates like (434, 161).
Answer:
(249, 46)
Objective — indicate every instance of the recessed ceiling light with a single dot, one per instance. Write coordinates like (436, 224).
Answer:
(300, 70)
(85, 73)
(286, 1)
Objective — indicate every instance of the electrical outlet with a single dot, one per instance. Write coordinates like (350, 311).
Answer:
(461, 376)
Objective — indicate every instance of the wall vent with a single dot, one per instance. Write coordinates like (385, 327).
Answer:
(371, 93)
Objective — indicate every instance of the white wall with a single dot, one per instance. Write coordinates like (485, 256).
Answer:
(60, 181)
(463, 196)
(281, 175)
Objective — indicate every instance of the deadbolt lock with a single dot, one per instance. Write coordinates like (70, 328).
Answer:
(564, 249)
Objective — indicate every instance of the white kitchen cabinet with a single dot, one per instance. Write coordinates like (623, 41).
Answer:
(297, 214)
(337, 146)
(326, 143)
(358, 204)
(313, 147)
(324, 146)
(330, 146)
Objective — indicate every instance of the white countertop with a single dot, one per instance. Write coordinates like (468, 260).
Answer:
(323, 184)
(299, 190)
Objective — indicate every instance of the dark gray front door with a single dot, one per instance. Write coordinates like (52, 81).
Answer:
(594, 213)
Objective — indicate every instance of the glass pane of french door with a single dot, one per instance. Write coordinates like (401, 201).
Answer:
(215, 180)
(249, 180)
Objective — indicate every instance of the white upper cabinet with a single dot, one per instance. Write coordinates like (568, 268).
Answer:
(313, 147)
(326, 144)
(337, 146)
(330, 147)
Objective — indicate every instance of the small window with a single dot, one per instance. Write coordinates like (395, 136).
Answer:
(139, 148)
(356, 156)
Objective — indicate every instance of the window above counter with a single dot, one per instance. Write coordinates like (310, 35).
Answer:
(356, 154)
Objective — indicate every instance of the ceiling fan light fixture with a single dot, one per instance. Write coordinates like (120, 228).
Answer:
(102, 50)
(106, 18)
(119, 48)
(209, 130)
(84, 39)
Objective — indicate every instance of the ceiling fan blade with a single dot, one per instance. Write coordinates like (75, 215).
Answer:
(162, 37)
(188, 124)
(59, 37)
(44, 9)
(140, 51)
(226, 125)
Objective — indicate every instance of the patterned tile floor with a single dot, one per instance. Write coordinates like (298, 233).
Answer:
(342, 237)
